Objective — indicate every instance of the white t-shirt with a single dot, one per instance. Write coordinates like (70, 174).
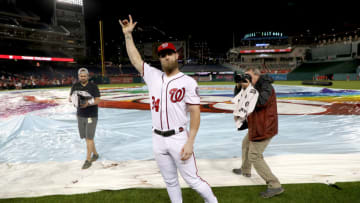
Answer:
(169, 97)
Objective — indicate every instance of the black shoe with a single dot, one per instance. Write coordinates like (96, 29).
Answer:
(94, 157)
(86, 165)
(239, 172)
(271, 192)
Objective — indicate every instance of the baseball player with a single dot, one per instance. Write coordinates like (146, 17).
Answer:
(172, 95)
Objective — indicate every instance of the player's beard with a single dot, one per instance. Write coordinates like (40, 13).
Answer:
(169, 66)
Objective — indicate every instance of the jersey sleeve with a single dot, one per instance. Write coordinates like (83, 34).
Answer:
(72, 90)
(96, 91)
(192, 95)
(150, 73)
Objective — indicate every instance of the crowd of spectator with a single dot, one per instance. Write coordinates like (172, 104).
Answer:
(22, 75)
(273, 68)
(327, 40)
(10, 81)
(22, 82)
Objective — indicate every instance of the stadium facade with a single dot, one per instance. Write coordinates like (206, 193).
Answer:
(51, 29)
(325, 57)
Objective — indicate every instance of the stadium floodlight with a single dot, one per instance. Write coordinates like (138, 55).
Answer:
(74, 2)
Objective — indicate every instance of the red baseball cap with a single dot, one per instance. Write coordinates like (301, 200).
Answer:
(166, 46)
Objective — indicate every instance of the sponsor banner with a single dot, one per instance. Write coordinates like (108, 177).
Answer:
(119, 80)
(35, 58)
(265, 51)
(278, 76)
(205, 78)
(228, 78)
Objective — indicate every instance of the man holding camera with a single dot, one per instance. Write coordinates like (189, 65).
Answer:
(86, 97)
(262, 126)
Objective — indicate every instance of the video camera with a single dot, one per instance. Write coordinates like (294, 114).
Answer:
(241, 78)
(79, 98)
(82, 99)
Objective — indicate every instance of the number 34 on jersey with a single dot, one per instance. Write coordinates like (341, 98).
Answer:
(176, 95)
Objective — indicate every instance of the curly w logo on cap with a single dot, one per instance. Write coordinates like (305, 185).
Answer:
(166, 46)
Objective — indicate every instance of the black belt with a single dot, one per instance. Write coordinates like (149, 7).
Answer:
(168, 132)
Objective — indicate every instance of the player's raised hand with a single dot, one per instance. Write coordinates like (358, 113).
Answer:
(127, 25)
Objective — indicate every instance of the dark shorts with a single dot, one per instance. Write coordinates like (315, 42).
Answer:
(87, 127)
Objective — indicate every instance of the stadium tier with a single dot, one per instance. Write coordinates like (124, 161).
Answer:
(322, 57)
(59, 33)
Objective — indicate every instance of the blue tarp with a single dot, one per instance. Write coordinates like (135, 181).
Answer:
(51, 134)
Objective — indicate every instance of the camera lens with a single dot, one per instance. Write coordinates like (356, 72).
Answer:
(238, 78)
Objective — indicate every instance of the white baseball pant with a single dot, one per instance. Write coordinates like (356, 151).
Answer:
(167, 155)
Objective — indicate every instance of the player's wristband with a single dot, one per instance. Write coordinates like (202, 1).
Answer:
(91, 101)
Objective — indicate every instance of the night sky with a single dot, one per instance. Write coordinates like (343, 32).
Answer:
(216, 22)
(212, 21)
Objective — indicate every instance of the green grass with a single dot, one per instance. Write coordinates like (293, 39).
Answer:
(317, 193)
(294, 193)
(336, 84)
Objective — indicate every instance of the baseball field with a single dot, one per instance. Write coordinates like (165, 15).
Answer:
(317, 124)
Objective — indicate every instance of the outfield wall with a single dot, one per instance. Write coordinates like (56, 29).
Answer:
(230, 78)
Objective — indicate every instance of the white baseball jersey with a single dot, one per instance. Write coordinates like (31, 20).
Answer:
(169, 97)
